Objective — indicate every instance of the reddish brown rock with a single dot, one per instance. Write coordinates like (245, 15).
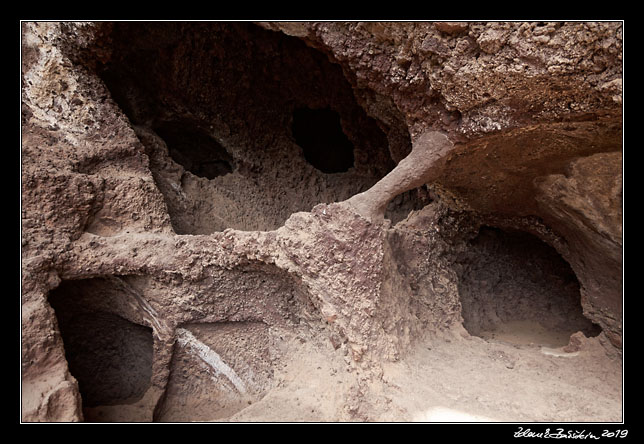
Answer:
(128, 223)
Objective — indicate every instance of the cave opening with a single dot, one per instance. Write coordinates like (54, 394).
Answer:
(515, 288)
(319, 133)
(194, 149)
(243, 126)
(110, 356)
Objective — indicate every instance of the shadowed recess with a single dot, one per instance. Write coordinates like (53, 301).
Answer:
(263, 113)
(319, 133)
(194, 149)
(110, 356)
(511, 282)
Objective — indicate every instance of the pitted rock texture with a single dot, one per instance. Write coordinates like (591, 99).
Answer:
(129, 223)
(240, 91)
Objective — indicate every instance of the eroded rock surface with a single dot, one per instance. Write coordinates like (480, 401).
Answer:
(171, 194)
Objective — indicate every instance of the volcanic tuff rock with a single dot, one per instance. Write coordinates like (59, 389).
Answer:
(113, 222)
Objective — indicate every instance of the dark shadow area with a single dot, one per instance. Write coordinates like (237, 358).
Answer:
(111, 357)
(319, 133)
(402, 205)
(191, 147)
(514, 284)
(232, 101)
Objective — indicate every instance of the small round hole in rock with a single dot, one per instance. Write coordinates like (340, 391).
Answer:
(319, 133)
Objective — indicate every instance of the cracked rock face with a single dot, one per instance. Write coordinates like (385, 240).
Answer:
(216, 190)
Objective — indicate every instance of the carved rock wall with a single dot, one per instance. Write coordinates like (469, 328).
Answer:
(533, 111)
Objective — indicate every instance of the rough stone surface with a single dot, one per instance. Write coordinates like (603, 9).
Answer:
(335, 278)
(585, 203)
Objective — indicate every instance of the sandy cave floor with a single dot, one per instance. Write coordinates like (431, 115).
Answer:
(504, 380)
(452, 378)
(185, 128)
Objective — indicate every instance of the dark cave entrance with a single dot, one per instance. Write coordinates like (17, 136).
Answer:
(516, 288)
(243, 126)
(110, 356)
(319, 133)
(194, 149)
